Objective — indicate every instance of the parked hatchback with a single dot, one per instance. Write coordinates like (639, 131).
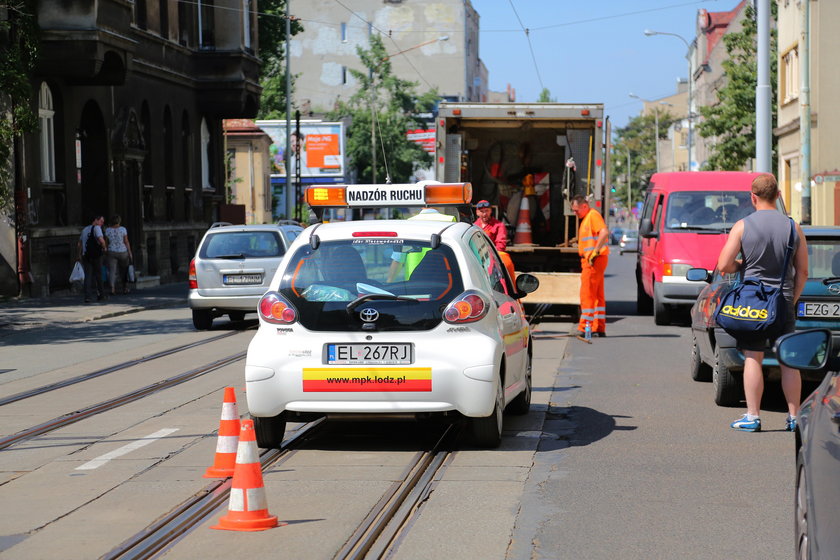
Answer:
(713, 353)
(817, 524)
(233, 267)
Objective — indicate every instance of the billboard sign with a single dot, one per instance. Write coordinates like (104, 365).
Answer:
(321, 148)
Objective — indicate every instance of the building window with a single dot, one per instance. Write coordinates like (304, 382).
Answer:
(46, 115)
(164, 19)
(789, 79)
(246, 23)
(140, 13)
(206, 24)
(344, 75)
(206, 184)
(343, 32)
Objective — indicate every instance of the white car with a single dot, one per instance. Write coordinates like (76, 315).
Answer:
(390, 318)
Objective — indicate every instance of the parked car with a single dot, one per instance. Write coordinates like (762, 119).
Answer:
(372, 319)
(685, 219)
(817, 524)
(615, 235)
(713, 353)
(232, 268)
(629, 242)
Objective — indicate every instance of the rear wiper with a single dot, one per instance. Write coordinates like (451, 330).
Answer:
(231, 256)
(370, 297)
(831, 280)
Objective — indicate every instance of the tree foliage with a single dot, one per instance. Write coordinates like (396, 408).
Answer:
(638, 137)
(545, 96)
(389, 105)
(731, 122)
(271, 50)
(18, 52)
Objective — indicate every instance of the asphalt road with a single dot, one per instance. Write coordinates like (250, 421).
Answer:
(644, 464)
(623, 455)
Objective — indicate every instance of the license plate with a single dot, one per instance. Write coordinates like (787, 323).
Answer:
(361, 354)
(829, 310)
(241, 279)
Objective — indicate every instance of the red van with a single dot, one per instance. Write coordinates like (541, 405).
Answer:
(684, 223)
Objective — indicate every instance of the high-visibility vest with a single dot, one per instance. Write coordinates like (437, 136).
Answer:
(590, 227)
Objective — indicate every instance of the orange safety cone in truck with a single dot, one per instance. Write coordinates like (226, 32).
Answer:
(523, 224)
(593, 248)
(228, 439)
(248, 507)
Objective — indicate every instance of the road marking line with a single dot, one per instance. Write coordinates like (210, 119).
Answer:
(125, 449)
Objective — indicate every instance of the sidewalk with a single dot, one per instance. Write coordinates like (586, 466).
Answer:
(19, 314)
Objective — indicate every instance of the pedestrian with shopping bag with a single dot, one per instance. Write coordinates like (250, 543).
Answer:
(90, 249)
(119, 256)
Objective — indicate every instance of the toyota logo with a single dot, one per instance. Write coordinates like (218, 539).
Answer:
(369, 315)
(834, 288)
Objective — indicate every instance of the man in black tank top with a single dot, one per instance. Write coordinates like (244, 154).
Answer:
(763, 254)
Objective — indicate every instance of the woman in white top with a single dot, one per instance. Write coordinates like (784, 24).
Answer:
(119, 253)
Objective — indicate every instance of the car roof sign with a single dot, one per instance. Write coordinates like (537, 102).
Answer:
(424, 193)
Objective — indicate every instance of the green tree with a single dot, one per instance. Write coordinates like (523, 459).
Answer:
(18, 52)
(545, 97)
(731, 122)
(271, 50)
(387, 104)
(638, 137)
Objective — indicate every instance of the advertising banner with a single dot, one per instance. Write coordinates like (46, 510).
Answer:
(321, 148)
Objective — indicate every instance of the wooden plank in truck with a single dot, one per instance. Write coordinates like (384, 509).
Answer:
(556, 288)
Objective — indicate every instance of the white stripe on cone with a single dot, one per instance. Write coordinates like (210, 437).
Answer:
(227, 444)
(229, 411)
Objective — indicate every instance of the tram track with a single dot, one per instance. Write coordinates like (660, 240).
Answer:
(377, 536)
(111, 404)
(110, 369)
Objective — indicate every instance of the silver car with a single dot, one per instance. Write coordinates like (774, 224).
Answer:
(233, 267)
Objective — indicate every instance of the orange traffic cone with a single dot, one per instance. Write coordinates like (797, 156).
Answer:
(523, 224)
(247, 508)
(225, 459)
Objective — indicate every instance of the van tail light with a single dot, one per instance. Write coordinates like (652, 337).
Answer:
(274, 308)
(193, 281)
(466, 308)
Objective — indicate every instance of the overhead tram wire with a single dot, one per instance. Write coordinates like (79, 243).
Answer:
(530, 46)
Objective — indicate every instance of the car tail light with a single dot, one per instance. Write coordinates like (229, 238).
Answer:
(274, 308)
(193, 281)
(466, 308)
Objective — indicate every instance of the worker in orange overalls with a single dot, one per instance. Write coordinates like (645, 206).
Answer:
(593, 248)
(496, 230)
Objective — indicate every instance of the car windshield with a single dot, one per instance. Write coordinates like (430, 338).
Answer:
(242, 244)
(706, 210)
(823, 258)
(407, 281)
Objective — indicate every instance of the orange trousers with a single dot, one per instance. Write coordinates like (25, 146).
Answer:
(593, 306)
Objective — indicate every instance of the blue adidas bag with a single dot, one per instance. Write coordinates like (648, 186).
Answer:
(753, 309)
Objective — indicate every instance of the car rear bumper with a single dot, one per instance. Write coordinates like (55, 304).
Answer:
(228, 303)
(281, 366)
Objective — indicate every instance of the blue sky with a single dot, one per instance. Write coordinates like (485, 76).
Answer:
(590, 51)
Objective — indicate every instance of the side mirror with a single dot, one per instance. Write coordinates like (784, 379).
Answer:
(808, 350)
(698, 275)
(526, 283)
(646, 230)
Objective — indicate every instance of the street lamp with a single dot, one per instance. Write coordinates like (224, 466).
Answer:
(650, 33)
(656, 121)
(373, 103)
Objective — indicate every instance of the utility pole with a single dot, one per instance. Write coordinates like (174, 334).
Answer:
(805, 108)
(763, 116)
(290, 202)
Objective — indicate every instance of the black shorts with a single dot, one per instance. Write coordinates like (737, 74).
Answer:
(765, 344)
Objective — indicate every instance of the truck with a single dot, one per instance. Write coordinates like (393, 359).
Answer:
(528, 160)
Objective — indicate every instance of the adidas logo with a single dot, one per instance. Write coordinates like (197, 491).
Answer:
(744, 312)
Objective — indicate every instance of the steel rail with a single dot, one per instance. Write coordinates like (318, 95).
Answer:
(187, 516)
(376, 535)
(111, 404)
(110, 369)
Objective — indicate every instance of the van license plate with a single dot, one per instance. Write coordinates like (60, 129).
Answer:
(242, 279)
(818, 309)
(362, 354)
